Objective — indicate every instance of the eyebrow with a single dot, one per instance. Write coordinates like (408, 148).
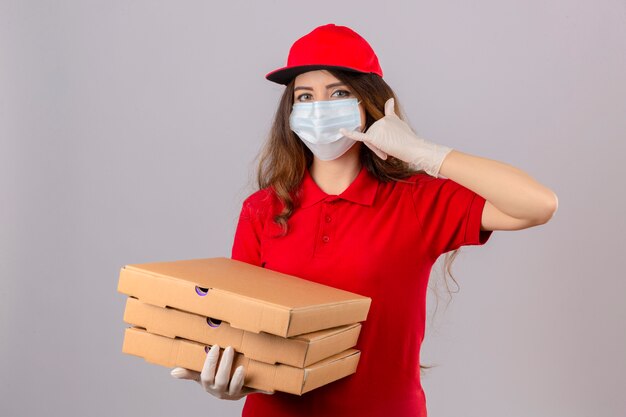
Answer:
(327, 87)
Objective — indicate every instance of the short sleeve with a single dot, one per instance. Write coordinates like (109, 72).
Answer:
(247, 243)
(450, 214)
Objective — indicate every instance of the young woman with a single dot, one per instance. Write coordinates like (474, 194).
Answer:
(349, 196)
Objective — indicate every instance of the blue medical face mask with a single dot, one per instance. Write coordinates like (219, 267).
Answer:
(317, 124)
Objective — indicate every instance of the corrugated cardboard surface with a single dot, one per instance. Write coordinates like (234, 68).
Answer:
(246, 296)
(169, 352)
(298, 351)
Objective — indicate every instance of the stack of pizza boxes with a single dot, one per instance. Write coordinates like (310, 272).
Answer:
(292, 335)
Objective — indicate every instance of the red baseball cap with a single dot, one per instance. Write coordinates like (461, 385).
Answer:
(328, 46)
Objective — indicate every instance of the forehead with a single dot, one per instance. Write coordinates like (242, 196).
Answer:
(311, 78)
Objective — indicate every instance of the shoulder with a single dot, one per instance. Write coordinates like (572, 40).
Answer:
(423, 180)
(259, 198)
(426, 188)
(411, 185)
(260, 203)
(418, 180)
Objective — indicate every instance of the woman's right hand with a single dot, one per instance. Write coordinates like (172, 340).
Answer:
(217, 384)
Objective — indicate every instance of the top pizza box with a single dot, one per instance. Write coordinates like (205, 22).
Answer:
(246, 296)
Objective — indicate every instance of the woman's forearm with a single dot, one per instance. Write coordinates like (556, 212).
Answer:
(509, 189)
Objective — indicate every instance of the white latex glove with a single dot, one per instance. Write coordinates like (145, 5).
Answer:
(390, 135)
(217, 384)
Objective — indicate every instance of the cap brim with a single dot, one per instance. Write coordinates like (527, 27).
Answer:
(286, 74)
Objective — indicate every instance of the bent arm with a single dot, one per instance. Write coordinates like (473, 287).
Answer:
(514, 200)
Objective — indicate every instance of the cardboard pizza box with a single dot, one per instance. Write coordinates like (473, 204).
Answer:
(299, 351)
(246, 296)
(171, 353)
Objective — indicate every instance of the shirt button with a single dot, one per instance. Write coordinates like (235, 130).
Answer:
(328, 219)
(325, 239)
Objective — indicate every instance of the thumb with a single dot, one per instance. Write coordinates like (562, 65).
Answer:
(363, 137)
(182, 373)
(378, 152)
(389, 107)
(354, 135)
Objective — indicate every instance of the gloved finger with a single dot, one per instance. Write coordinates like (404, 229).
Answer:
(354, 135)
(247, 390)
(182, 373)
(378, 152)
(389, 107)
(263, 392)
(207, 376)
(236, 383)
(223, 370)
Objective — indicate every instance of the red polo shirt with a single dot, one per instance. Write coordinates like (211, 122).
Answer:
(375, 239)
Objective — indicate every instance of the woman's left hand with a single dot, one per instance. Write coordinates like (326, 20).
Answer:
(390, 135)
(219, 383)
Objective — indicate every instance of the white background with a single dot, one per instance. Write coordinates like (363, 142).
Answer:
(128, 132)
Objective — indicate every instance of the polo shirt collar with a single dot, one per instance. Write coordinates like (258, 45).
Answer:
(361, 191)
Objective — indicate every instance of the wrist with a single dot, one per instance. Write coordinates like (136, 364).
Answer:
(428, 157)
(440, 154)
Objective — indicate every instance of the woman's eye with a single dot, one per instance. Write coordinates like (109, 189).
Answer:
(341, 93)
(303, 97)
